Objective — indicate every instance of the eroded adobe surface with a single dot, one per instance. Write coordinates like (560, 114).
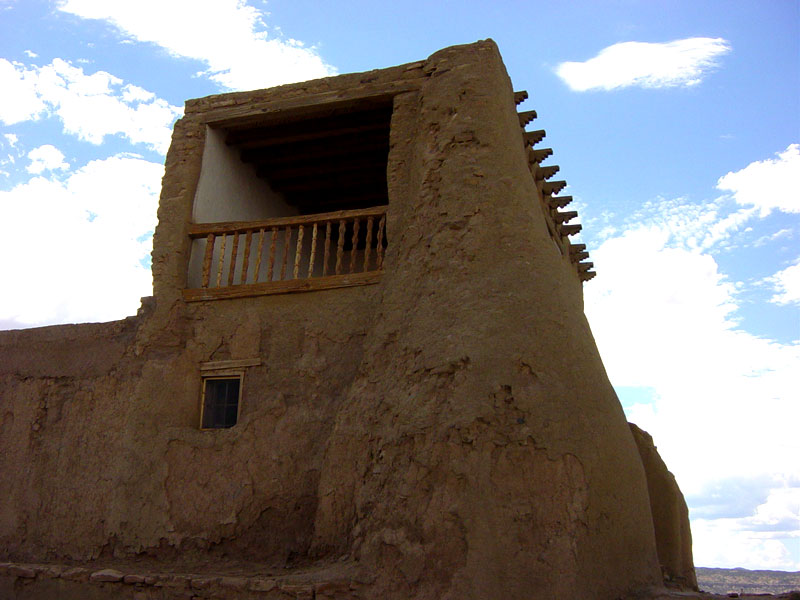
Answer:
(447, 432)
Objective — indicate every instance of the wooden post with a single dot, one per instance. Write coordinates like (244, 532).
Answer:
(356, 223)
(379, 250)
(258, 258)
(287, 238)
(340, 247)
(271, 265)
(234, 251)
(313, 250)
(298, 252)
(207, 259)
(248, 239)
(326, 254)
(368, 245)
(221, 259)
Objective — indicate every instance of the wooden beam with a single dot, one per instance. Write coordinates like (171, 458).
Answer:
(282, 287)
(569, 229)
(579, 256)
(587, 275)
(520, 97)
(526, 117)
(258, 139)
(547, 172)
(563, 217)
(533, 137)
(553, 187)
(585, 266)
(315, 152)
(558, 201)
(575, 248)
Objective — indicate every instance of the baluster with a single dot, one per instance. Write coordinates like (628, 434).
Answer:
(271, 265)
(356, 222)
(379, 250)
(287, 238)
(221, 259)
(234, 251)
(258, 256)
(207, 259)
(313, 251)
(326, 255)
(298, 252)
(340, 247)
(248, 239)
(368, 245)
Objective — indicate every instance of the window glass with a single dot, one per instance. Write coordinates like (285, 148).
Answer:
(220, 403)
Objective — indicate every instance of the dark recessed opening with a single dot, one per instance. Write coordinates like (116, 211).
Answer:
(220, 402)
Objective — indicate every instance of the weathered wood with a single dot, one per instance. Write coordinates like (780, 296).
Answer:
(569, 229)
(327, 251)
(298, 252)
(354, 243)
(575, 248)
(271, 263)
(543, 173)
(526, 117)
(248, 240)
(579, 256)
(520, 96)
(558, 201)
(563, 217)
(340, 247)
(258, 256)
(313, 250)
(287, 238)
(282, 287)
(207, 259)
(218, 365)
(221, 259)
(234, 251)
(585, 266)
(379, 249)
(537, 156)
(368, 245)
(587, 275)
(197, 230)
(553, 187)
(533, 137)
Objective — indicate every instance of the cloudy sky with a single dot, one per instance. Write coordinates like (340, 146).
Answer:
(676, 125)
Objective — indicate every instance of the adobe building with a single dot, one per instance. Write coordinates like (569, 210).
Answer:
(365, 372)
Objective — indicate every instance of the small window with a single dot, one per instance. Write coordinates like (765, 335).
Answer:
(220, 402)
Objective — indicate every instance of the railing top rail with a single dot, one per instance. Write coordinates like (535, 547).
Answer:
(198, 230)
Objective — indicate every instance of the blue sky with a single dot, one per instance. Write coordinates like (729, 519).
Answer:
(676, 125)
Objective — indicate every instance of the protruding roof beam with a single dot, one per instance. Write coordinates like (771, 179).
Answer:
(537, 156)
(579, 256)
(520, 96)
(576, 248)
(569, 229)
(526, 117)
(553, 187)
(558, 201)
(585, 266)
(546, 172)
(587, 275)
(534, 137)
(563, 217)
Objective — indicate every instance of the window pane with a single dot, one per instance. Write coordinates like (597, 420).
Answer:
(221, 404)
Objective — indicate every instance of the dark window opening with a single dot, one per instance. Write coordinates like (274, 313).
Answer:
(220, 402)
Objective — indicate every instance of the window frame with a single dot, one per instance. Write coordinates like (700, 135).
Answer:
(215, 376)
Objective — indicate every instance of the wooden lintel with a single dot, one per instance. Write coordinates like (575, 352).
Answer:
(569, 229)
(218, 365)
(526, 117)
(563, 217)
(558, 201)
(537, 156)
(543, 173)
(533, 137)
(282, 287)
(575, 248)
(553, 187)
(203, 229)
(520, 97)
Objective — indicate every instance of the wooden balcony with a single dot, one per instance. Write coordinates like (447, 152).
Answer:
(288, 254)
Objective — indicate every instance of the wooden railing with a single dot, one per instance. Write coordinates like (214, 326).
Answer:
(289, 254)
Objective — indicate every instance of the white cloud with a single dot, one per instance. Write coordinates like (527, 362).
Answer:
(787, 285)
(30, 54)
(228, 35)
(46, 158)
(83, 259)
(89, 106)
(11, 138)
(650, 65)
(772, 184)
